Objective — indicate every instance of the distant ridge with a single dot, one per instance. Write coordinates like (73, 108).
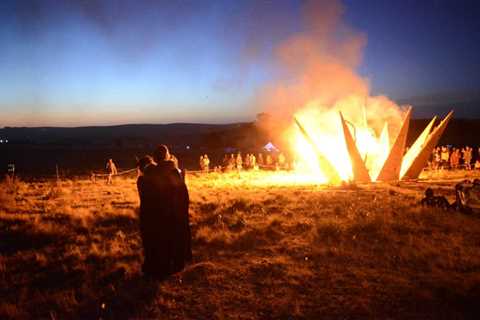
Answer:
(127, 125)
(466, 104)
(106, 135)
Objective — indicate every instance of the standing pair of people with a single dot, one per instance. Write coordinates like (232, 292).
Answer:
(164, 220)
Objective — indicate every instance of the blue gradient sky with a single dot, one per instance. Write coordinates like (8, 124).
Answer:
(71, 63)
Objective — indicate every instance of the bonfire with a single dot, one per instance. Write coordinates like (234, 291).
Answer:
(332, 148)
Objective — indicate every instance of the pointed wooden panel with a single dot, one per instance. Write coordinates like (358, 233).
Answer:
(327, 168)
(419, 163)
(360, 172)
(365, 121)
(384, 137)
(416, 147)
(392, 165)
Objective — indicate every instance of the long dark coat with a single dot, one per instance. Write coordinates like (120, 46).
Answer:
(164, 220)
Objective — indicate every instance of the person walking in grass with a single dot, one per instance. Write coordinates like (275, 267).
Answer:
(111, 170)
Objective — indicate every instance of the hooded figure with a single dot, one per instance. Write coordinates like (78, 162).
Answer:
(164, 221)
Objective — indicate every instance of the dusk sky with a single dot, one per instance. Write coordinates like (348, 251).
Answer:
(72, 63)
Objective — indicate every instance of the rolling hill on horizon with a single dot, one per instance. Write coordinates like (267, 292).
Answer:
(466, 104)
(184, 133)
(101, 135)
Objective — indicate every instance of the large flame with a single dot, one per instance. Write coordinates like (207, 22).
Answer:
(323, 125)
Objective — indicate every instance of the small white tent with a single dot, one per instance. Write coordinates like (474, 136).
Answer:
(270, 147)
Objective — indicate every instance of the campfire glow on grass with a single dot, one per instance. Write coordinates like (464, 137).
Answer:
(332, 148)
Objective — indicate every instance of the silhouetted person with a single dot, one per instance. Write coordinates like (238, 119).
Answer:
(477, 165)
(231, 162)
(146, 195)
(200, 162)
(454, 159)
(281, 161)
(269, 161)
(239, 161)
(467, 157)
(111, 171)
(260, 160)
(467, 196)
(225, 162)
(445, 156)
(164, 215)
(431, 200)
(205, 163)
(253, 161)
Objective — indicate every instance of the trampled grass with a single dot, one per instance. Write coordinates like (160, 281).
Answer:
(262, 249)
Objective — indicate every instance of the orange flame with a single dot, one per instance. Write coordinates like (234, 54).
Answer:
(324, 128)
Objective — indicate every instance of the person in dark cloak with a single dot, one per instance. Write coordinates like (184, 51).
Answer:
(146, 195)
(164, 217)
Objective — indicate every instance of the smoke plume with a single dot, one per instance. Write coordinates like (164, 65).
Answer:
(316, 69)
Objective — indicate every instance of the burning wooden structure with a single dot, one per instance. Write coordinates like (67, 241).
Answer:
(392, 163)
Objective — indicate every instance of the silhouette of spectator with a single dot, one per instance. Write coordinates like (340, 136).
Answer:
(269, 161)
(225, 162)
(454, 159)
(437, 158)
(467, 196)
(477, 165)
(111, 170)
(164, 216)
(205, 163)
(144, 195)
(431, 200)
(467, 157)
(246, 163)
(281, 161)
(253, 162)
(239, 162)
(444, 156)
(260, 160)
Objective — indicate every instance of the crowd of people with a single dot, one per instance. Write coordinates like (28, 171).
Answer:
(451, 158)
(443, 157)
(250, 161)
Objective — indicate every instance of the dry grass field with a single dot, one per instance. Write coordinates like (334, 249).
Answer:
(262, 250)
